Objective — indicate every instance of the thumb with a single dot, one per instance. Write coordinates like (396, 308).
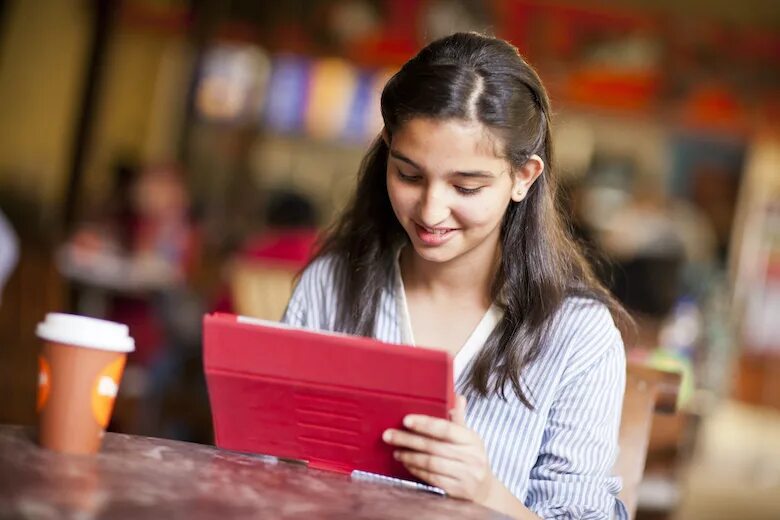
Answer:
(458, 414)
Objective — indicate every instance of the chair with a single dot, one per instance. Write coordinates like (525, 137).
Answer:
(260, 290)
(263, 275)
(648, 391)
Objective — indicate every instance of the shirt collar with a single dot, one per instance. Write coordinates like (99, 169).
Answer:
(473, 344)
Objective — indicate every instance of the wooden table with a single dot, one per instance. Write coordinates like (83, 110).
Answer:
(144, 477)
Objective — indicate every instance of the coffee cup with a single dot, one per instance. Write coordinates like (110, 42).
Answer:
(79, 370)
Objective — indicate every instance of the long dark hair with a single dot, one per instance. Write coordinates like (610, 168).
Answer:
(467, 76)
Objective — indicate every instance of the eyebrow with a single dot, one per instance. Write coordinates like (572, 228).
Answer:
(470, 174)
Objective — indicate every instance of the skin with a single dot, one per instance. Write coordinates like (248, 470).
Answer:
(449, 175)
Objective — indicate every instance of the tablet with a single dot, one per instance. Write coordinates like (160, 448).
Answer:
(323, 398)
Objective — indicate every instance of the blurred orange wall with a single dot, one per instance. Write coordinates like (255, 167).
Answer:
(141, 105)
(43, 53)
(42, 59)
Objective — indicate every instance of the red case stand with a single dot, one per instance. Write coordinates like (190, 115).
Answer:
(318, 397)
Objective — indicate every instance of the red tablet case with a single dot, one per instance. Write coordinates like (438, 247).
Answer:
(318, 397)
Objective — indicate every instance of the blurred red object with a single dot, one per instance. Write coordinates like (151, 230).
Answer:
(291, 249)
(714, 106)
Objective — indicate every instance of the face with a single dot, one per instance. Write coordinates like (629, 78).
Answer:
(159, 193)
(449, 189)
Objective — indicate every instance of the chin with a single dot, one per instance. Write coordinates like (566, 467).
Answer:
(438, 255)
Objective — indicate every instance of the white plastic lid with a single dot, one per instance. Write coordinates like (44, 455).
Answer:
(85, 332)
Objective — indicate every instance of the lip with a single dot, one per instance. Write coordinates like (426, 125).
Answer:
(430, 238)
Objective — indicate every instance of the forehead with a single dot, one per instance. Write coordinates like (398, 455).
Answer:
(450, 144)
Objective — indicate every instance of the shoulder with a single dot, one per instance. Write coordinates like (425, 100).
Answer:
(583, 332)
(315, 298)
(324, 272)
(580, 316)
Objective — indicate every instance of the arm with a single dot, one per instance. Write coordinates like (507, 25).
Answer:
(503, 501)
(571, 478)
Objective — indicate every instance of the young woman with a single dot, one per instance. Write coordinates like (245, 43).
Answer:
(453, 241)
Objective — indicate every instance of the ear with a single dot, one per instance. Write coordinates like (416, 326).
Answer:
(386, 136)
(525, 177)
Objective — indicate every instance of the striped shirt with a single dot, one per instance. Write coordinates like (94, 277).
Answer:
(556, 459)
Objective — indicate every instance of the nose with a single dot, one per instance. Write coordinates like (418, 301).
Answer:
(433, 207)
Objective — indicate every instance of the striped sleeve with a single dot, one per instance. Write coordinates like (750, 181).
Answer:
(312, 304)
(571, 478)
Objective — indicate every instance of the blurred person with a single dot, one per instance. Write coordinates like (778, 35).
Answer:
(453, 240)
(574, 202)
(653, 238)
(144, 244)
(645, 246)
(164, 238)
(164, 248)
(291, 230)
(649, 256)
(9, 252)
(142, 252)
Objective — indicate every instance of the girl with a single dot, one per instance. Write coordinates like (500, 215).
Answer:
(453, 241)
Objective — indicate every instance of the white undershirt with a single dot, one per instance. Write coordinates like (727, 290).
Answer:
(472, 345)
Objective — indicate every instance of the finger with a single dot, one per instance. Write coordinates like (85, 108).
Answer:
(430, 463)
(421, 443)
(458, 414)
(441, 429)
(448, 484)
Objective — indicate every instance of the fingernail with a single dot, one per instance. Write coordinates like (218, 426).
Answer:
(387, 436)
(396, 455)
(408, 421)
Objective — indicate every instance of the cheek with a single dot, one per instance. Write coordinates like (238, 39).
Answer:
(480, 212)
(477, 215)
(402, 197)
(392, 191)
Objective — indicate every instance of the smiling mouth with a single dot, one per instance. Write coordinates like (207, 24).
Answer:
(436, 231)
(433, 236)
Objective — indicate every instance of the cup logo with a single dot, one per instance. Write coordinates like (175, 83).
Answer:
(44, 382)
(104, 391)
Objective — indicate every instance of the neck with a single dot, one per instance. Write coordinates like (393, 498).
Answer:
(470, 276)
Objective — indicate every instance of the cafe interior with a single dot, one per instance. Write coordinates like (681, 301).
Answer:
(165, 159)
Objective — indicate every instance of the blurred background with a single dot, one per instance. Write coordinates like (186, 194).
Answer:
(164, 158)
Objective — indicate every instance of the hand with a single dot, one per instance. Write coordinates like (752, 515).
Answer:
(445, 454)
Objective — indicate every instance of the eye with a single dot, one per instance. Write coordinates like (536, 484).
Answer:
(407, 178)
(468, 191)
